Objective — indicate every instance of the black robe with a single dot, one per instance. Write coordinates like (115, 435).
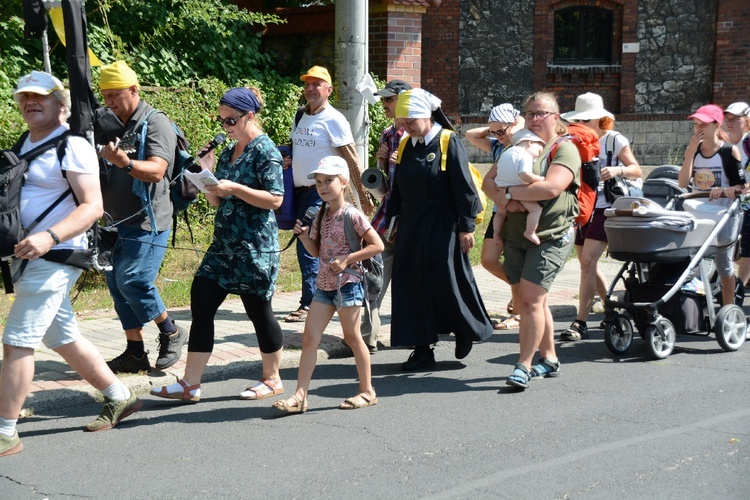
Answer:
(433, 287)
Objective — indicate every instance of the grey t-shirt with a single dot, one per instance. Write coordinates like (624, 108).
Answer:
(117, 186)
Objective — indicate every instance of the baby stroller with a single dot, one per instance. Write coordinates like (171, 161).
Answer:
(670, 287)
(661, 184)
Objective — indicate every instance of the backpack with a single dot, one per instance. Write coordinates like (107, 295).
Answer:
(372, 268)
(589, 147)
(13, 166)
(182, 192)
(476, 176)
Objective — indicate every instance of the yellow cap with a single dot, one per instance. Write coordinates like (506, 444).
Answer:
(317, 72)
(117, 75)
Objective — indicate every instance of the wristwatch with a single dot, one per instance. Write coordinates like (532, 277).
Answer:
(129, 167)
(507, 194)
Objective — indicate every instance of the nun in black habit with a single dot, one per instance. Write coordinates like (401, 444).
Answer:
(433, 287)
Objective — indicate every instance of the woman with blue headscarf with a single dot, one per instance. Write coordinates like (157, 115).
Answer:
(244, 256)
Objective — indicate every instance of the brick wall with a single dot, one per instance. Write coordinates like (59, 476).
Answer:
(732, 65)
(395, 42)
(440, 61)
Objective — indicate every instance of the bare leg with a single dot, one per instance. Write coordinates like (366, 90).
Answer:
(88, 362)
(537, 329)
(349, 317)
(727, 289)
(744, 270)
(591, 277)
(195, 366)
(532, 220)
(16, 375)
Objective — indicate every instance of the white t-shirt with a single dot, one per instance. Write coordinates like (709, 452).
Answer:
(512, 162)
(615, 142)
(44, 183)
(315, 137)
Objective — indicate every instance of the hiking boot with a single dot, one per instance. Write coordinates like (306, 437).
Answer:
(113, 412)
(170, 347)
(10, 445)
(129, 363)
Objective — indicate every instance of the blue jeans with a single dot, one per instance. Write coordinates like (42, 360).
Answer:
(136, 260)
(308, 265)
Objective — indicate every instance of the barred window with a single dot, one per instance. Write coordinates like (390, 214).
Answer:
(583, 35)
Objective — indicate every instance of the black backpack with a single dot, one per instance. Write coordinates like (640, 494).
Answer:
(13, 166)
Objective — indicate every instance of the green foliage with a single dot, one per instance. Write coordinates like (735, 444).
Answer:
(378, 123)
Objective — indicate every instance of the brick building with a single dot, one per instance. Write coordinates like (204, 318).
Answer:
(653, 61)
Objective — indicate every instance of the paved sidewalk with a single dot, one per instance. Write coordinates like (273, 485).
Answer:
(236, 353)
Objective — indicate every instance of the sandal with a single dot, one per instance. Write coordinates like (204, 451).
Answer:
(264, 389)
(184, 395)
(519, 377)
(361, 400)
(509, 323)
(544, 369)
(576, 331)
(298, 316)
(299, 407)
(510, 307)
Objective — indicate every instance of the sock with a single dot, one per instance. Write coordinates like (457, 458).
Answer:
(177, 388)
(136, 348)
(166, 326)
(8, 426)
(117, 391)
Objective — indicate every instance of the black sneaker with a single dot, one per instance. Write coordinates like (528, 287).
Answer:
(128, 363)
(170, 347)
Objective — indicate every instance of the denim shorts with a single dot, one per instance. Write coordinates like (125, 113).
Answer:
(41, 310)
(352, 295)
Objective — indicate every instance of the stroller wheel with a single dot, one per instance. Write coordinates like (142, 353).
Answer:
(618, 335)
(730, 327)
(661, 337)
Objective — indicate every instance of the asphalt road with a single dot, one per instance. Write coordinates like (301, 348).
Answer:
(606, 428)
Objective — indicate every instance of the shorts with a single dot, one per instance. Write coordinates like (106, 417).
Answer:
(352, 295)
(489, 234)
(594, 229)
(538, 264)
(41, 311)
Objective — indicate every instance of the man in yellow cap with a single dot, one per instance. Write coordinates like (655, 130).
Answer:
(136, 197)
(319, 131)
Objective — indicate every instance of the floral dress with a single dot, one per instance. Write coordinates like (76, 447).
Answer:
(244, 255)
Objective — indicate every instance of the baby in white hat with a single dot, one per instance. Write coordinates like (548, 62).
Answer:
(514, 169)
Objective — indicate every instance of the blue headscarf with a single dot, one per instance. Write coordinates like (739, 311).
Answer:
(242, 99)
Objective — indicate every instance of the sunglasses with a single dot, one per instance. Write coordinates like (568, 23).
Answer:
(231, 122)
(500, 133)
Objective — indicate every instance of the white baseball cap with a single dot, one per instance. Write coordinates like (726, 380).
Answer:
(331, 165)
(38, 82)
(738, 109)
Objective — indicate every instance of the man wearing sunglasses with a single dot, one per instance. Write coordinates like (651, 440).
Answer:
(135, 188)
(320, 131)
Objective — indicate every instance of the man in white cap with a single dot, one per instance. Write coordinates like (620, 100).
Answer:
(319, 131)
(66, 169)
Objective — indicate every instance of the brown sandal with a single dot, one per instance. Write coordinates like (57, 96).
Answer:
(361, 400)
(184, 395)
(264, 389)
(299, 407)
(298, 316)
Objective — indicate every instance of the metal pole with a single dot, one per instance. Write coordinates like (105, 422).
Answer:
(351, 65)
(45, 53)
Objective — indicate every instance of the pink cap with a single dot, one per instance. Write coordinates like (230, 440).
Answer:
(709, 113)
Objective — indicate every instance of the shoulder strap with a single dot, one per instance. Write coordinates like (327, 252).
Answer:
(445, 139)
(401, 146)
(298, 116)
(611, 152)
(143, 124)
(16, 148)
(355, 242)
(553, 150)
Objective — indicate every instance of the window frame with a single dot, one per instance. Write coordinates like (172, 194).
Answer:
(600, 29)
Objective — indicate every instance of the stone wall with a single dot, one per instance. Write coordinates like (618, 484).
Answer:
(674, 68)
(495, 54)
(654, 143)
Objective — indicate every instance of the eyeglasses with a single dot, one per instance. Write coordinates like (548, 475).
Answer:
(500, 133)
(231, 122)
(538, 115)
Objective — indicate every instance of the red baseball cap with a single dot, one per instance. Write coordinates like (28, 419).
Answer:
(709, 113)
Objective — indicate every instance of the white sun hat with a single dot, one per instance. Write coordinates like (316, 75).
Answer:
(589, 106)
